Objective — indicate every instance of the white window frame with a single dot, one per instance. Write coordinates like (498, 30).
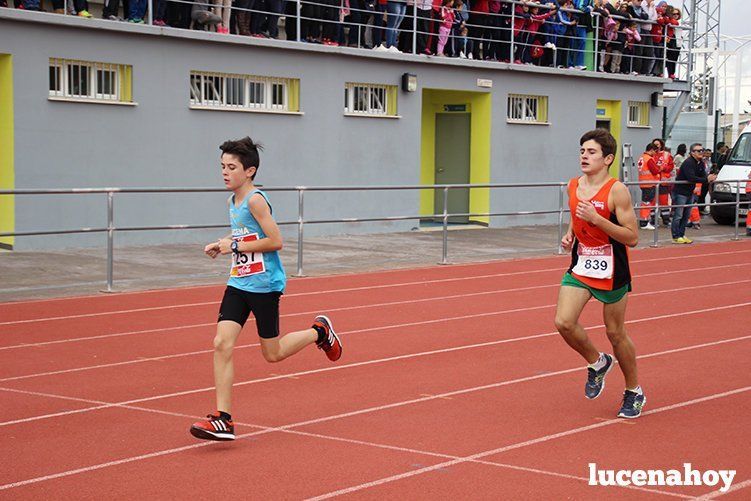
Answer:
(222, 95)
(527, 109)
(67, 81)
(374, 99)
(639, 110)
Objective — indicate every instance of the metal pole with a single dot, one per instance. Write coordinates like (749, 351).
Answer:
(513, 20)
(110, 238)
(414, 27)
(596, 58)
(737, 207)
(150, 17)
(297, 20)
(657, 216)
(444, 258)
(664, 51)
(300, 209)
(560, 219)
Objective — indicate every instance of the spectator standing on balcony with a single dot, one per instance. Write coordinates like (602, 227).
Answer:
(635, 11)
(407, 27)
(579, 33)
(648, 51)
(564, 30)
(137, 11)
(659, 30)
(531, 29)
(447, 21)
(478, 23)
(424, 19)
(673, 51)
(633, 39)
(504, 31)
(521, 16)
(492, 32)
(462, 46)
(396, 10)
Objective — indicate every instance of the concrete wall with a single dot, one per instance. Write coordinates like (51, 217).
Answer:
(162, 143)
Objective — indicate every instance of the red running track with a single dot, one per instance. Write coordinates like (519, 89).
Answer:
(453, 384)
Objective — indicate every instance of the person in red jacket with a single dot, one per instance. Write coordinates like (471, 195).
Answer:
(666, 165)
(649, 174)
(658, 33)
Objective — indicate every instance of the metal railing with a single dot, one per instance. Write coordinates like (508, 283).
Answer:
(300, 221)
(503, 31)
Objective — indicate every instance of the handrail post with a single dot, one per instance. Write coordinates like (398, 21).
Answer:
(300, 223)
(513, 21)
(414, 28)
(657, 216)
(150, 17)
(110, 238)
(297, 20)
(737, 207)
(560, 219)
(444, 257)
(596, 58)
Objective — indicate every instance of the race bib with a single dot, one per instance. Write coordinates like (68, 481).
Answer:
(594, 262)
(247, 264)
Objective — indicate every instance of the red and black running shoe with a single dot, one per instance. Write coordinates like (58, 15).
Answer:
(331, 345)
(214, 427)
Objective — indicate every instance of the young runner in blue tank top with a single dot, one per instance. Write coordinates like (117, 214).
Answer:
(256, 283)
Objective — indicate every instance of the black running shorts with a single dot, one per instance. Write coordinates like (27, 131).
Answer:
(237, 306)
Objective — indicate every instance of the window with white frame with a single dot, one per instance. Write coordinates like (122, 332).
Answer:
(243, 92)
(369, 99)
(89, 81)
(638, 114)
(523, 108)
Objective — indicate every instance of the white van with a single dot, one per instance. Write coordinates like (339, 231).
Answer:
(737, 167)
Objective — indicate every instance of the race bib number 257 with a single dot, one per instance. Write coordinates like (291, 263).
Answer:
(247, 264)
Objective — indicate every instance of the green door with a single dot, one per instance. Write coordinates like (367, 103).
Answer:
(452, 134)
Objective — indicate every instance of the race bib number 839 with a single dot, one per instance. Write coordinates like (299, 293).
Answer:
(594, 262)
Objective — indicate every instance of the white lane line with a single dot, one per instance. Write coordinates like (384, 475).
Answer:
(372, 362)
(519, 445)
(350, 289)
(370, 484)
(287, 315)
(202, 352)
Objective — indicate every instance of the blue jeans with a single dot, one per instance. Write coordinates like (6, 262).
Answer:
(394, 19)
(680, 217)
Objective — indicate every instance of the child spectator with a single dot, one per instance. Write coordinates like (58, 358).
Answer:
(633, 37)
(532, 27)
(447, 21)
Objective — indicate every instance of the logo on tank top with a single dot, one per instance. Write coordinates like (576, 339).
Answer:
(598, 204)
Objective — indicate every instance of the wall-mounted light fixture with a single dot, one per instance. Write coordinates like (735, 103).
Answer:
(409, 82)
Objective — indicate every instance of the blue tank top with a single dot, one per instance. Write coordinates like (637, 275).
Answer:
(256, 271)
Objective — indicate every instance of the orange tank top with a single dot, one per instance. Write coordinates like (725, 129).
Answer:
(596, 259)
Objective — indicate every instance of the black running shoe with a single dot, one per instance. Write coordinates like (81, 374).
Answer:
(596, 379)
(633, 403)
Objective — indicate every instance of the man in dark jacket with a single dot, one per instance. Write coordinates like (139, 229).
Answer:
(692, 171)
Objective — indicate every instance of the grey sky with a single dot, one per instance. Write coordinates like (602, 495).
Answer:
(734, 18)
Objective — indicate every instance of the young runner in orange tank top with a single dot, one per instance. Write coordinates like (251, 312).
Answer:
(603, 226)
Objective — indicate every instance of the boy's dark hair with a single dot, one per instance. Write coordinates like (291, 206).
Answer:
(602, 137)
(652, 147)
(681, 149)
(659, 140)
(245, 150)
